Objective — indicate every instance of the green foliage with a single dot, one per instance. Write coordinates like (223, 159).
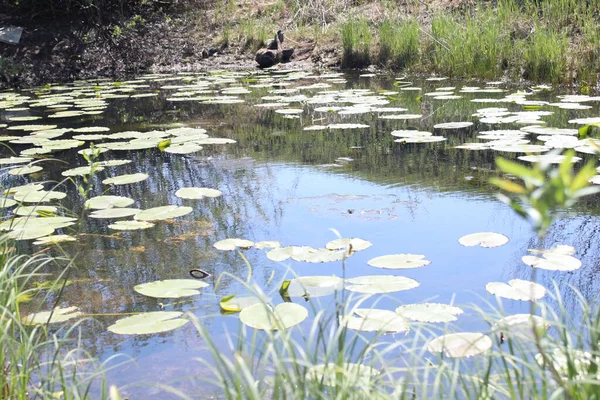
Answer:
(399, 43)
(545, 189)
(545, 56)
(356, 42)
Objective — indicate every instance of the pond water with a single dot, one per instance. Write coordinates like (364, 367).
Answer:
(282, 182)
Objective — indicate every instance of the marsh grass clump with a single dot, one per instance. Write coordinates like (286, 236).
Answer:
(253, 34)
(356, 42)
(545, 56)
(399, 43)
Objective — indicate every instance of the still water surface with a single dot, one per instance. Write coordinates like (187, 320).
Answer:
(281, 182)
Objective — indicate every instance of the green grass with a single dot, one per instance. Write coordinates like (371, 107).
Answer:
(399, 43)
(356, 43)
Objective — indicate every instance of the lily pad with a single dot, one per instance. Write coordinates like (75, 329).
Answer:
(125, 179)
(80, 171)
(429, 312)
(267, 244)
(51, 317)
(373, 320)
(517, 289)
(453, 125)
(558, 249)
(103, 202)
(232, 244)
(27, 233)
(25, 211)
(162, 213)
(521, 325)
(171, 288)
(457, 345)
(553, 262)
(114, 213)
(372, 284)
(130, 225)
(147, 323)
(313, 286)
(483, 239)
(233, 303)
(38, 196)
(25, 170)
(263, 316)
(399, 261)
(197, 193)
(5, 202)
(356, 244)
(54, 239)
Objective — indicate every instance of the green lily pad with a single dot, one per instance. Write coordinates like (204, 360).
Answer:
(24, 188)
(25, 170)
(399, 261)
(457, 345)
(34, 211)
(372, 284)
(355, 244)
(15, 160)
(130, 225)
(126, 179)
(313, 286)
(263, 316)
(185, 148)
(38, 196)
(114, 213)
(517, 289)
(483, 239)
(28, 233)
(233, 303)
(5, 202)
(373, 320)
(429, 312)
(52, 317)
(30, 223)
(102, 202)
(171, 288)
(162, 213)
(197, 193)
(81, 171)
(149, 322)
(54, 239)
(232, 244)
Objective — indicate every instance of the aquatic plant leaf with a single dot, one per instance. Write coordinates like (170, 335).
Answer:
(521, 326)
(309, 254)
(34, 211)
(130, 225)
(356, 244)
(126, 179)
(280, 253)
(232, 244)
(32, 232)
(15, 160)
(102, 202)
(483, 239)
(25, 170)
(80, 171)
(429, 312)
(456, 345)
(453, 125)
(399, 261)
(313, 286)
(372, 284)
(38, 196)
(114, 212)
(90, 129)
(374, 320)
(233, 303)
(185, 148)
(263, 316)
(334, 375)
(171, 288)
(347, 126)
(5, 202)
(112, 163)
(558, 249)
(197, 193)
(267, 244)
(548, 158)
(517, 289)
(52, 317)
(54, 239)
(30, 223)
(149, 322)
(553, 262)
(162, 213)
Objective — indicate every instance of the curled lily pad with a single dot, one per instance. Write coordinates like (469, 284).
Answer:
(114, 212)
(162, 213)
(171, 288)
(313, 286)
(372, 284)
(553, 262)
(429, 312)
(197, 193)
(102, 202)
(373, 320)
(232, 244)
(130, 225)
(483, 239)
(331, 374)
(233, 303)
(517, 289)
(125, 179)
(51, 317)
(54, 239)
(355, 244)
(399, 261)
(263, 316)
(457, 345)
(150, 322)
(25, 170)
